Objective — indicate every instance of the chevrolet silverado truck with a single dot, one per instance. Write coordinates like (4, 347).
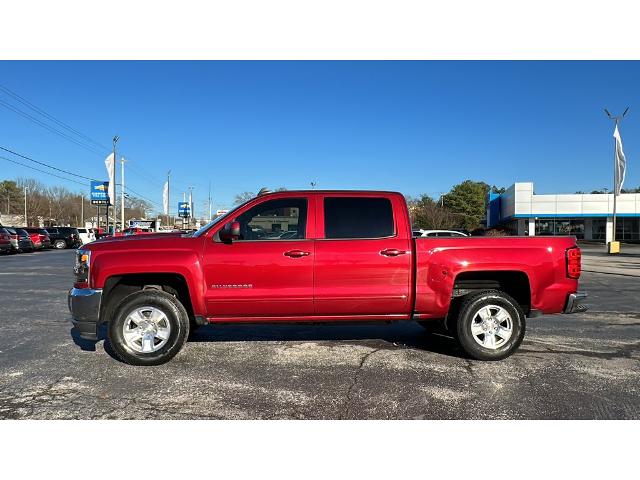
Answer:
(319, 256)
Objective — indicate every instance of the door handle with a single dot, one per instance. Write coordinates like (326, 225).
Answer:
(296, 254)
(393, 252)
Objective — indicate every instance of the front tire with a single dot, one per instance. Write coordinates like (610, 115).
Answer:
(60, 244)
(149, 327)
(490, 325)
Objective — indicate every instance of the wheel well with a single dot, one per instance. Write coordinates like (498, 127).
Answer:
(118, 287)
(513, 283)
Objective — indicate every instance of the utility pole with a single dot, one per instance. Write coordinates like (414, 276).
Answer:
(209, 200)
(184, 219)
(191, 212)
(115, 194)
(168, 195)
(25, 207)
(617, 119)
(122, 160)
(82, 211)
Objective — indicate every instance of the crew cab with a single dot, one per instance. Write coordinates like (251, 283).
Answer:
(348, 256)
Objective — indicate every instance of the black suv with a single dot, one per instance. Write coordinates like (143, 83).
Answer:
(64, 237)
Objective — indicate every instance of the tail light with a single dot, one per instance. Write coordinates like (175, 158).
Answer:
(574, 262)
(14, 237)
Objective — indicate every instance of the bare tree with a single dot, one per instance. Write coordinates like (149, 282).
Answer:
(243, 197)
(427, 214)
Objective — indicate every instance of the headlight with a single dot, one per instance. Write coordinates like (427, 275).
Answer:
(81, 269)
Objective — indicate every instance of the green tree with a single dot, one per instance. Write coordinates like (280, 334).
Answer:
(469, 199)
(11, 198)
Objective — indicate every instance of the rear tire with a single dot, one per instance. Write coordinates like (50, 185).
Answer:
(149, 327)
(490, 325)
(60, 244)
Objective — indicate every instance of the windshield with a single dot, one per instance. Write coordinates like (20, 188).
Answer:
(206, 227)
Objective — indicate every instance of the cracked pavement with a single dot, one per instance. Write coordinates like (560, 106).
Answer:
(569, 366)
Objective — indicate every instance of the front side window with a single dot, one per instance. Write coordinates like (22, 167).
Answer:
(282, 219)
(358, 217)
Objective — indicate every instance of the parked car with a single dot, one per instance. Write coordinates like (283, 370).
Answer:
(5, 241)
(42, 234)
(86, 235)
(20, 241)
(438, 233)
(135, 231)
(353, 259)
(64, 237)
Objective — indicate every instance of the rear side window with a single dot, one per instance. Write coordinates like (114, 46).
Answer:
(358, 217)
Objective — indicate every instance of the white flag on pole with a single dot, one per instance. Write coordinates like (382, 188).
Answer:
(110, 163)
(621, 162)
(165, 198)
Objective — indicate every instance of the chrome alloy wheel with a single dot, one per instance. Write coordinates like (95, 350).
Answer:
(492, 327)
(146, 329)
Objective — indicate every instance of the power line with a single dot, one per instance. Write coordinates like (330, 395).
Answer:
(61, 170)
(37, 109)
(143, 174)
(46, 164)
(141, 196)
(43, 171)
(48, 127)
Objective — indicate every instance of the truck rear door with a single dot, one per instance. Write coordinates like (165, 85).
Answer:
(362, 256)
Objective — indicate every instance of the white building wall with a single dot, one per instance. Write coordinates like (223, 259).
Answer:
(519, 199)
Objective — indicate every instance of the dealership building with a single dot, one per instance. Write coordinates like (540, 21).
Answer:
(587, 216)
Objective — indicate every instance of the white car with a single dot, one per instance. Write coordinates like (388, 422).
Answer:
(438, 233)
(86, 235)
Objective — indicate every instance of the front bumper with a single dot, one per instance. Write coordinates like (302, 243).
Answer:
(84, 305)
(575, 303)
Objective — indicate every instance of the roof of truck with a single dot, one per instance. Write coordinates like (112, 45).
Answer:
(374, 192)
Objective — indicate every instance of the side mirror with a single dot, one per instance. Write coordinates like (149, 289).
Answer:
(230, 232)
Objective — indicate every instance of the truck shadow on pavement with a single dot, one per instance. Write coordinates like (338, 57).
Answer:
(392, 336)
(395, 336)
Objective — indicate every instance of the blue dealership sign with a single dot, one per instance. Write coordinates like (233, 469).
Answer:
(184, 209)
(100, 193)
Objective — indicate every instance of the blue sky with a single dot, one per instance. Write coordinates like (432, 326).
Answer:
(415, 127)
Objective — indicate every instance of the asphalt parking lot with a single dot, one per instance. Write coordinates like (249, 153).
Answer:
(583, 366)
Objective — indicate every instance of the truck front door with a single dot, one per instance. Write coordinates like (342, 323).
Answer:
(268, 271)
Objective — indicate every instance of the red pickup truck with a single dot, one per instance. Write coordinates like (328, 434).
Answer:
(319, 256)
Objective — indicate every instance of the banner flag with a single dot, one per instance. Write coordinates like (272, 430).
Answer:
(165, 198)
(621, 161)
(110, 163)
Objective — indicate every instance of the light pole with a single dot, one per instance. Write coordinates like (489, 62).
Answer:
(122, 160)
(209, 200)
(191, 212)
(168, 195)
(617, 119)
(113, 179)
